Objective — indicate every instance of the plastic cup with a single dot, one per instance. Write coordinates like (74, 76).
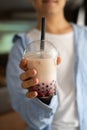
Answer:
(44, 61)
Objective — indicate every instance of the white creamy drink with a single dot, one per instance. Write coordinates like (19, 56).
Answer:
(45, 64)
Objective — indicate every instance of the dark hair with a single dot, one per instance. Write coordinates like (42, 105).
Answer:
(71, 9)
(74, 3)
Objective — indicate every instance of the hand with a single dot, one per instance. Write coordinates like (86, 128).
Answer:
(28, 78)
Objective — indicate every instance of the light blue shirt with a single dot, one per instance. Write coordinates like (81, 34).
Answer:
(38, 115)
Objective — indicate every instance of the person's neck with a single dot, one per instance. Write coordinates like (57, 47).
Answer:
(56, 24)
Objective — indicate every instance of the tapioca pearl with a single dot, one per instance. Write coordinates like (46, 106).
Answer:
(50, 83)
(43, 83)
(38, 85)
(47, 93)
(38, 89)
(42, 88)
(47, 86)
(42, 91)
(40, 94)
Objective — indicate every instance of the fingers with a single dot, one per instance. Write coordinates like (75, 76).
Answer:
(31, 82)
(24, 64)
(59, 59)
(28, 74)
(32, 94)
(28, 78)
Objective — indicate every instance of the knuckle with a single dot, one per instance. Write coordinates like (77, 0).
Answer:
(31, 94)
(30, 82)
(35, 81)
(25, 84)
(28, 73)
(34, 72)
(23, 76)
(21, 64)
(31, 72)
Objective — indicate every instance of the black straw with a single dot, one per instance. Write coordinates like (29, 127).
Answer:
(42, 33)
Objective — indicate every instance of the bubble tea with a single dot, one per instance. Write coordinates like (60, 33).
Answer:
(44, 61)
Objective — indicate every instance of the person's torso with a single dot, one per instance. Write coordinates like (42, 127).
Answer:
(66, 115)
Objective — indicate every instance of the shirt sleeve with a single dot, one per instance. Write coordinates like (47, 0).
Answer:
(36, 114)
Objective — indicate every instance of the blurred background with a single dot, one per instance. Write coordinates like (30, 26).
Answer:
(19, 16)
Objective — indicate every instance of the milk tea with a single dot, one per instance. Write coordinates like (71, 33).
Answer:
(44, 61)
(46, 73)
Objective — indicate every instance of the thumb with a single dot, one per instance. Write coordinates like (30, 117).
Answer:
(59, 60)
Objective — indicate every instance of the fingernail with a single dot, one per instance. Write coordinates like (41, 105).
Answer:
(36, 80)
(59, 60)
(34, 72)
(32, 94)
